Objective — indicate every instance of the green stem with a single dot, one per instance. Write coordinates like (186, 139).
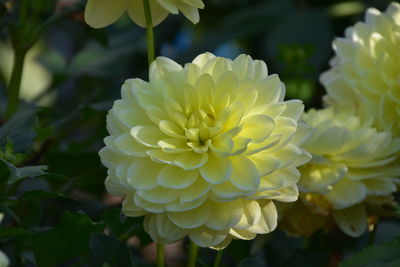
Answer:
(15, 82)
(193, 252)
(218, 259)
(149, 31)
(160, 255)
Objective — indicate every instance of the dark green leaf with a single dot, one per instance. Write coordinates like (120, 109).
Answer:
(19, 129)
(121, 229)
(13, 231)
(16, 174)
(39, 195)
(387, 255)
(107, 249)
(67, 240)
(253, 262)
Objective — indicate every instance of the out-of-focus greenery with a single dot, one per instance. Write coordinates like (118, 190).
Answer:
(57, 212)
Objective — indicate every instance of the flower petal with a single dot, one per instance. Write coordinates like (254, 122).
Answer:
(173, 145)
(195, 3)
(251, 214)
(159, 195)
(245, 175)
(352, 221)
(265, 163)
(101, 13)
(162, 230)
(257, 127)
(131, 209)
(346, 193)
(169, 5)
(127, 145)
(148, 135)
(191, 160)
(192, 218)
(162, 66)
(175, 177)
(197, 190)
(142, 174)
(136, 13)
(217, 170)
(189, 12)
(205, 237)
(171, 129)
(224, 215)
(268, 220)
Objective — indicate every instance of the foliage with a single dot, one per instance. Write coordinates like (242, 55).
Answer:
(386, 254)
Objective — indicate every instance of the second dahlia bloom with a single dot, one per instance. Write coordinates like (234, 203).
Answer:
(203, 150)
(101, 13)
(353, 165)
(365, 73)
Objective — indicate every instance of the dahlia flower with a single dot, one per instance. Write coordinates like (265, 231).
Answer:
(203, 150)
(101, 13)
(365, 73)
(352, 165)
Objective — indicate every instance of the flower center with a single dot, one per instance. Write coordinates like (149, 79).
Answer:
(200, 128)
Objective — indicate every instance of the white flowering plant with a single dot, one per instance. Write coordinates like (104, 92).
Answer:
(199, 133)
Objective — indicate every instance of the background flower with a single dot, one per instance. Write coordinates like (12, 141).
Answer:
(101, 13)
(202, 150)
(352, 164)
(365, 72)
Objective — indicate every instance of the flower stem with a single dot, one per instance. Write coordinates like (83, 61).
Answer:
(160, 255)
(193, 252)
(218, 259)
(15, 82)
(149, 31)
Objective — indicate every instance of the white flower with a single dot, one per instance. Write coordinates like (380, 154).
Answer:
(203, 150)
(351, 162)
(101, 13)
(365, 73)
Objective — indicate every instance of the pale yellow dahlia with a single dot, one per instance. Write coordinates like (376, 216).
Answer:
(352, 164)
(202, 150)
(101, 13)
(365, 73)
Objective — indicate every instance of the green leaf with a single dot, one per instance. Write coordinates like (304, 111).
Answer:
(16, 174)
(19, 129)
(386, 255)
(9, 154)
(121, 229)
(40, 194)
(254, 262)
(13, 231)
(67, 240)
(109, 250)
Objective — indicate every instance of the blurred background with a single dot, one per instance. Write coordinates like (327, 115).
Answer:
(74, 73)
